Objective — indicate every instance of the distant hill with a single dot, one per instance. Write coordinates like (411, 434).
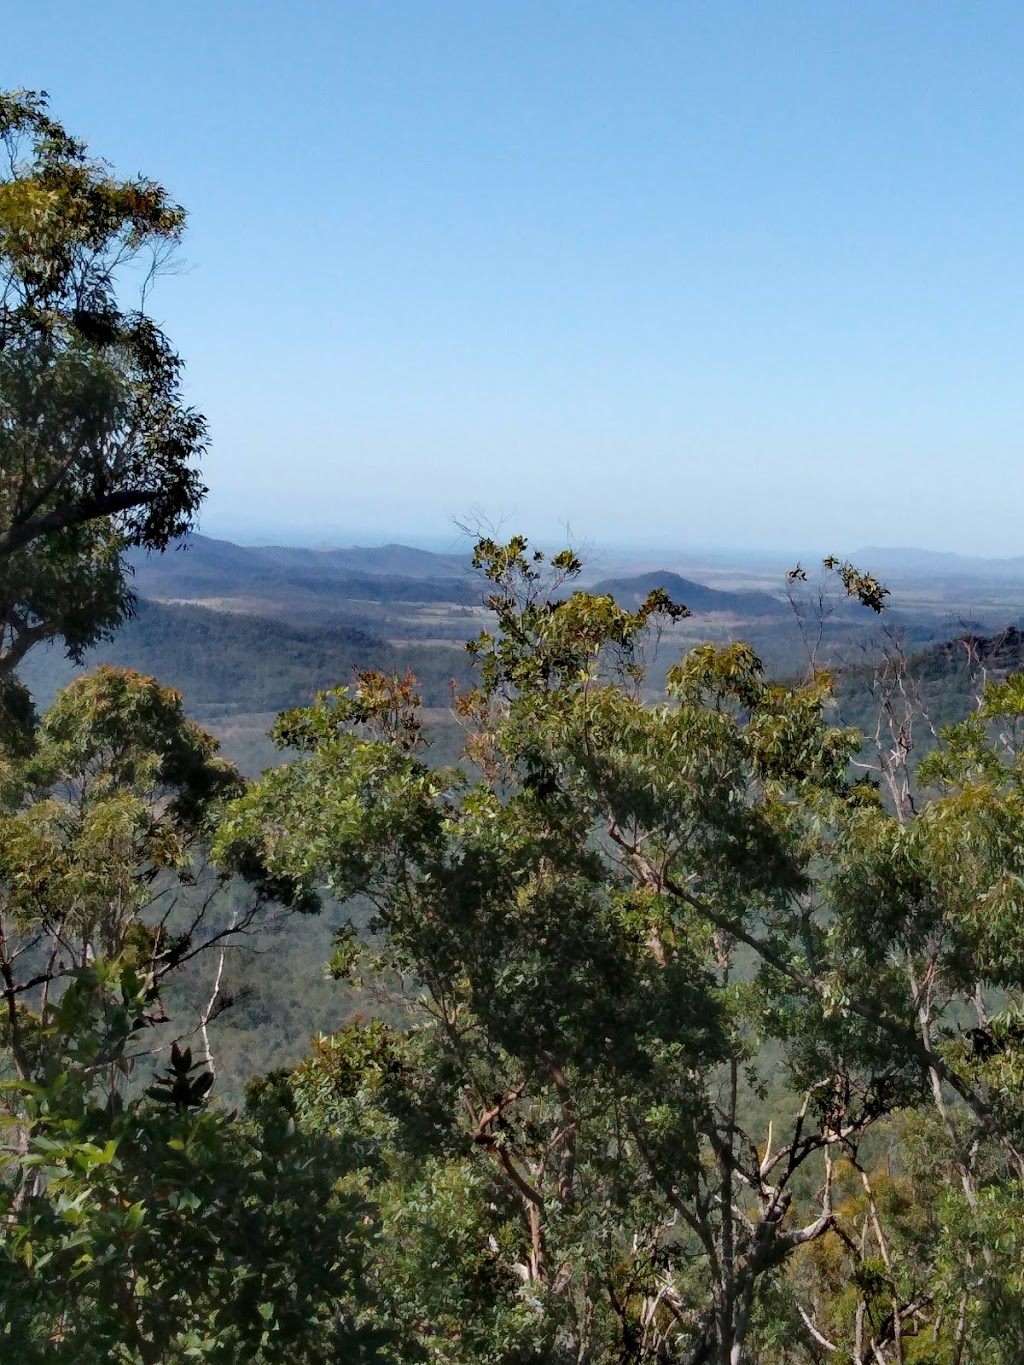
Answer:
(280, 577)
(402, 560)
(946, 678)
(997, 655)
(701, 600)
(882, 560)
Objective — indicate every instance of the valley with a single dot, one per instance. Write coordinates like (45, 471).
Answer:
(247, 631)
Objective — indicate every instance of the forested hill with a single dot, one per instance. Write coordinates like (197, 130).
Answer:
(998, 654)
(244, 663)
(701, 600)
(943, 680)
(297, 579)
(244, 632)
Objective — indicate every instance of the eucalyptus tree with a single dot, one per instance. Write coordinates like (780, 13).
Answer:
(139, 1222)
(918, 911)
(600, 921)
(97, 445)
(925, 901)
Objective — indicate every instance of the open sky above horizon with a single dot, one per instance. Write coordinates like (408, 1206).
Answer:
(676, 273)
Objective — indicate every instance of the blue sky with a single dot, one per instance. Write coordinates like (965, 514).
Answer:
(674, 273)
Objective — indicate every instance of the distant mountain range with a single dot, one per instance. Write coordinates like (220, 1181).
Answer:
(882, 560)
(630, 592)
(401, 560)
(375, 559)
(317, 582)
(203, 567)
(302, 580)
(243, 631)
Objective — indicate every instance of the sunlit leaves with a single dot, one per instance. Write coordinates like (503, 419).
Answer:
(97, 446)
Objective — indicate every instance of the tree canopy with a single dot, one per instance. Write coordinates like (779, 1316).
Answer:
(97, 445)
(690, 1043)
(623, 924)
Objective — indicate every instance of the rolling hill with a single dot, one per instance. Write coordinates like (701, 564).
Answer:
(298, 580)
(630, 592)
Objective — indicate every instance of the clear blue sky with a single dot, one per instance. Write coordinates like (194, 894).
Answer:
(745, 274)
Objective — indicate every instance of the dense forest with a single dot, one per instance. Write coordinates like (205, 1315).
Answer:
(672, 1014)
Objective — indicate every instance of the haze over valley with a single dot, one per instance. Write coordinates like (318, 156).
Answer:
(244, 631)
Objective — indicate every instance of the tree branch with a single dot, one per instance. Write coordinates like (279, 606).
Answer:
(75, 514)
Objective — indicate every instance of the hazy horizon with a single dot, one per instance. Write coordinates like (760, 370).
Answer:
(459, 542)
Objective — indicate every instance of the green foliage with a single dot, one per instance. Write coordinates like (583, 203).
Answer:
(96, 444)
(672, 1051)
(109, 807)
(572, 917)
(158, 1231)
(139, 1223)
(864, 587)
(108, 813)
